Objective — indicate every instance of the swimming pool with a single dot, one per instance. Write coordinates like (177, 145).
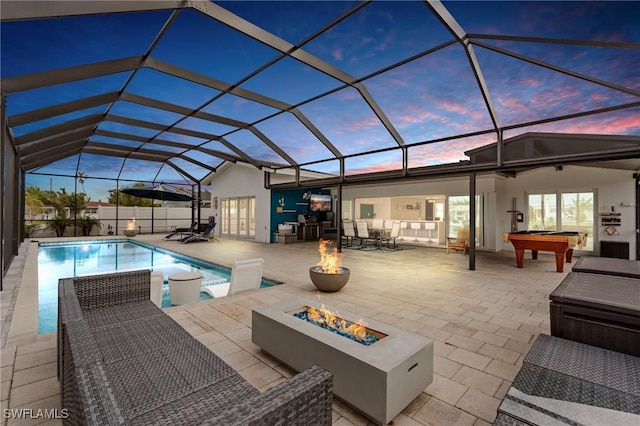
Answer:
(76, 258)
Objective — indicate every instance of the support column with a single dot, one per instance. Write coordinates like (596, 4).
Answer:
(472, 221)
(339, 218)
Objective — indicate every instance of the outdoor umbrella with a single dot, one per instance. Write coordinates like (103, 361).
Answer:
(158, 193)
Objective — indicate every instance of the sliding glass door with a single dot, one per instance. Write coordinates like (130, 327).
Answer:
(563, 211)
(459, 213)
(238, 217)
(578, 214)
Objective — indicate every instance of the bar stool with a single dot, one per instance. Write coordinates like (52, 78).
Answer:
(430, 226)
(403, 227)
(416, 226)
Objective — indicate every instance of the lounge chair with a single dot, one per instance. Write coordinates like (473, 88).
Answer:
(190, 230)
(207, 235)
(245, 275)
(460, 242)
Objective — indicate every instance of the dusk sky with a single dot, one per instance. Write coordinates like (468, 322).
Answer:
(431, 97)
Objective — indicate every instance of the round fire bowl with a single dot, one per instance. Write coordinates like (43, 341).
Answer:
(130, 232)
(329, 282)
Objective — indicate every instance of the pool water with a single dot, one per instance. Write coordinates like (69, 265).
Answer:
(72, 259)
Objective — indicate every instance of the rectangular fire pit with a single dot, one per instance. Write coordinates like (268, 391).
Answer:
(378, 379)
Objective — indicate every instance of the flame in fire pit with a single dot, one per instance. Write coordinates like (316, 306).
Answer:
(329, 262)
(325, 317)
(131, 225)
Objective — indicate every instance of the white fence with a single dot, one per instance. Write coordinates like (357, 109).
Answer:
(164, 219)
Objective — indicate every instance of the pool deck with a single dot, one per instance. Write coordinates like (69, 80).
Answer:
(482, 322)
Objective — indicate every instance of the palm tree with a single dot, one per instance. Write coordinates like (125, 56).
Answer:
(81, 179)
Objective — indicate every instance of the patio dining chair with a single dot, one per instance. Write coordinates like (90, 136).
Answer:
(393, 234)
(363, 231)
(377, 224)
(348, 231)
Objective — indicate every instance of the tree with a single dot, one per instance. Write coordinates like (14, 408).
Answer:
(36, 199)
(75, 202)
(129, 200)
(33, 200)
(81, 179)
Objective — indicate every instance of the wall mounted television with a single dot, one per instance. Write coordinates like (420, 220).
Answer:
(320, 203)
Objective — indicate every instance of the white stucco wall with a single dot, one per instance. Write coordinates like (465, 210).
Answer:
(612, 188)
(244, 181)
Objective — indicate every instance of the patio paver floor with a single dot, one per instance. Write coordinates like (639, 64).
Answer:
(482, 322)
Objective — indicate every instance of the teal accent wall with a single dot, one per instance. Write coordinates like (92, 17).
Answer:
(293, 206)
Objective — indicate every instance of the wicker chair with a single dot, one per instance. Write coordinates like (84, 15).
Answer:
(121, 360)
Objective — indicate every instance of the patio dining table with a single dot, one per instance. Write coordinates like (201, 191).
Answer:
(378, 234)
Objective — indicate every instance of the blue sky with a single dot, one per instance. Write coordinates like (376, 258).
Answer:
(431, 97)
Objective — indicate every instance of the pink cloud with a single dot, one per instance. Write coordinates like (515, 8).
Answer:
(438, 153)
(531, 82)
(597, 124)
(372, 169)
(416, 117)
(453, 107)
(337, 54)
(512, 103)
(599, 97)
(363, 123)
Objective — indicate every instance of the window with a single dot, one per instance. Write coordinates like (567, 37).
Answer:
(543, 211)
(576, 213)
(347, 208)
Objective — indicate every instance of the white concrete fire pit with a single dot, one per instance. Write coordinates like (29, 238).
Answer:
(378, 379)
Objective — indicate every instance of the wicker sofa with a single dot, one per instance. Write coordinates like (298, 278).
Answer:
(122, 360)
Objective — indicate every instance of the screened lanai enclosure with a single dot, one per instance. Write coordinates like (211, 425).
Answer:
(103, 95)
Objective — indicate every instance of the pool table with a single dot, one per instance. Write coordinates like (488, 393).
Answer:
(559, 242)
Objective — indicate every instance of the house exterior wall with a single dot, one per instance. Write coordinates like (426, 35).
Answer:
(244, 181)
(612, 188)
(485, 185)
